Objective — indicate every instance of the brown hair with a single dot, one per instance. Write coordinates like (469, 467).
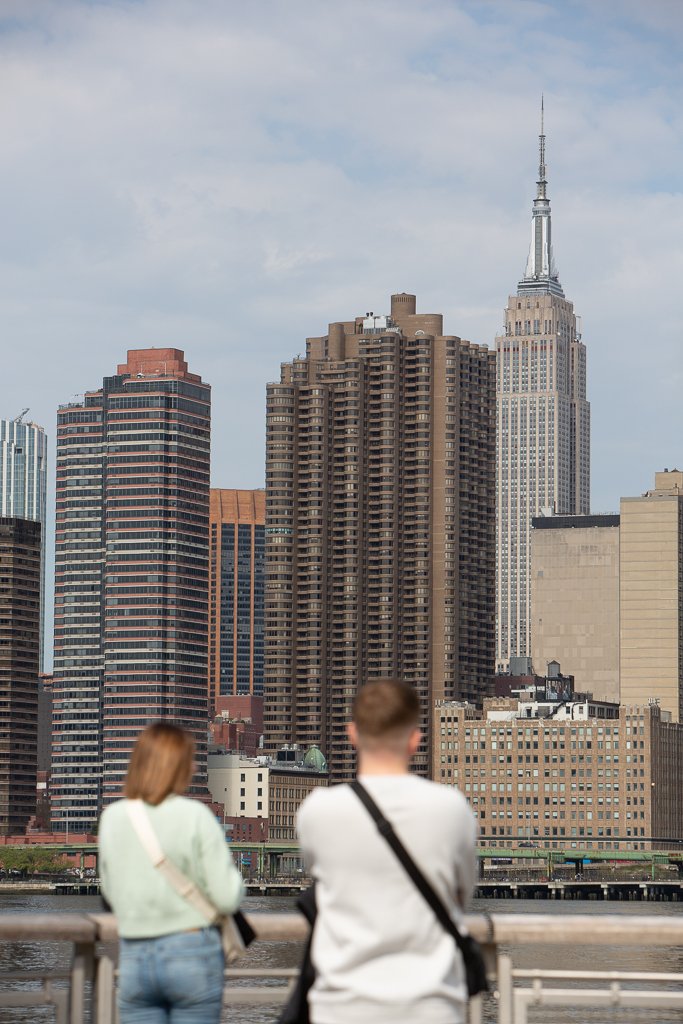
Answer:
(385, 706)
(161, 763)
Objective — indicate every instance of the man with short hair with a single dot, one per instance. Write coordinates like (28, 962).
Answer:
(380, 953)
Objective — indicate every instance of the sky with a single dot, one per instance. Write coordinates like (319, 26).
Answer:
(228, 178)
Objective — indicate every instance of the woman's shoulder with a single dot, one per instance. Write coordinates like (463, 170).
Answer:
(110, 821)
(178, 808)
(186, 809)
(113, 812)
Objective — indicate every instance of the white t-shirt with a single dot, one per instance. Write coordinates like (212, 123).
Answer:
(379, 951)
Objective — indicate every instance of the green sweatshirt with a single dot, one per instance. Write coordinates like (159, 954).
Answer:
(143, 900)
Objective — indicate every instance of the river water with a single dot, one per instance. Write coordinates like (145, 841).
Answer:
(35, 956)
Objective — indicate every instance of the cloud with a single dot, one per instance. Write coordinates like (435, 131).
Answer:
(229, 178)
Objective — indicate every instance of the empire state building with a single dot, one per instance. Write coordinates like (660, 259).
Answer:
(543, 423)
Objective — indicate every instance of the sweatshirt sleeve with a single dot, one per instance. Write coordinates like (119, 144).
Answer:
(305, 820)
(467, 869)
(102, 858)
(222, 881)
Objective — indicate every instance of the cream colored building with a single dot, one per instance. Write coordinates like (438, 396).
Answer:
(269, 788)
(651, 595)
(575, 599)
(587, 774)
(240, 784)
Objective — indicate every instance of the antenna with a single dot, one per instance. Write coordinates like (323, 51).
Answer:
(542, 98)
(541, 155)
(20, 417)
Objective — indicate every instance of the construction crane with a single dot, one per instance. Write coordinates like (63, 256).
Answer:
(20, 417)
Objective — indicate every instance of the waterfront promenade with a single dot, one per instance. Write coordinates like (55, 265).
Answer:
(495, 888)
(84, 993)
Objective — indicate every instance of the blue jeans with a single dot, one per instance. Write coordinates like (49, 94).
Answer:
(174, 979)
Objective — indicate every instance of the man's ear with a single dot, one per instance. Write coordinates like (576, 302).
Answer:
(414, 741)
(352, 733)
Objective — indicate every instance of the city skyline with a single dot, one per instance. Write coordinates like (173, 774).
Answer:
(196, 220)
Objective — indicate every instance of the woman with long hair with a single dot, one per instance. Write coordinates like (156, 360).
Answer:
(171, 962)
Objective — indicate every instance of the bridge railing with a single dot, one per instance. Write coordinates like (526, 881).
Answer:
(84, 992)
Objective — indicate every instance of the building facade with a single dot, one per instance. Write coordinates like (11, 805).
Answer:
(585, 774)
(236, 592)
(23, 485)
(23, 470)
(131, 575)
(575, 599)
(237, 725)
(380, 536)
(288, 787)
(20, 576)
(543, 423)
(268, 789)
(239, 783)
(651, 595)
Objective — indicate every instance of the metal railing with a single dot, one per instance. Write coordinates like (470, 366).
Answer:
(85, 993)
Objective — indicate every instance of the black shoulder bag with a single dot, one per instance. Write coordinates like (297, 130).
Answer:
(295, 1010)
(475, 968)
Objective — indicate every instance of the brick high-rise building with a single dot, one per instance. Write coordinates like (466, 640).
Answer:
(236, 592)
(380, 471)
(20, 548)
(131, 587)
(543, 429)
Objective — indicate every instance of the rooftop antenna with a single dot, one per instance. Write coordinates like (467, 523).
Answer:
(542, 182)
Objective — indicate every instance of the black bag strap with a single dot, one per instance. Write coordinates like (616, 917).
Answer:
(386, 830)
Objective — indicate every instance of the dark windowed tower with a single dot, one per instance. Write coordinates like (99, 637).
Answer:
(380, 501)
(236, 593)
(20, 579)
(131, 575)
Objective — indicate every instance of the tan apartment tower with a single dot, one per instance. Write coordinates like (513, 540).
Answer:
(651, 595)
(380, 480)
(575, 599)
(236, 592)
(543, 423)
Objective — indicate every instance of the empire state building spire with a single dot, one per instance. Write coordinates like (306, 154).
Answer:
(541, 272)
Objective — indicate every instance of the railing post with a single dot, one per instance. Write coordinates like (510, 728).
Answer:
(103, 995)
(505, 990)
(474, 1010)
(82, 970)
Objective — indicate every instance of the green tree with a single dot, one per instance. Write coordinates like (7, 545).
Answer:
(32, 860)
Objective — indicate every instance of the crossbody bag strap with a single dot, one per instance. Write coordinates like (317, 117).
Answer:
(386, 830)
(184, 886)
